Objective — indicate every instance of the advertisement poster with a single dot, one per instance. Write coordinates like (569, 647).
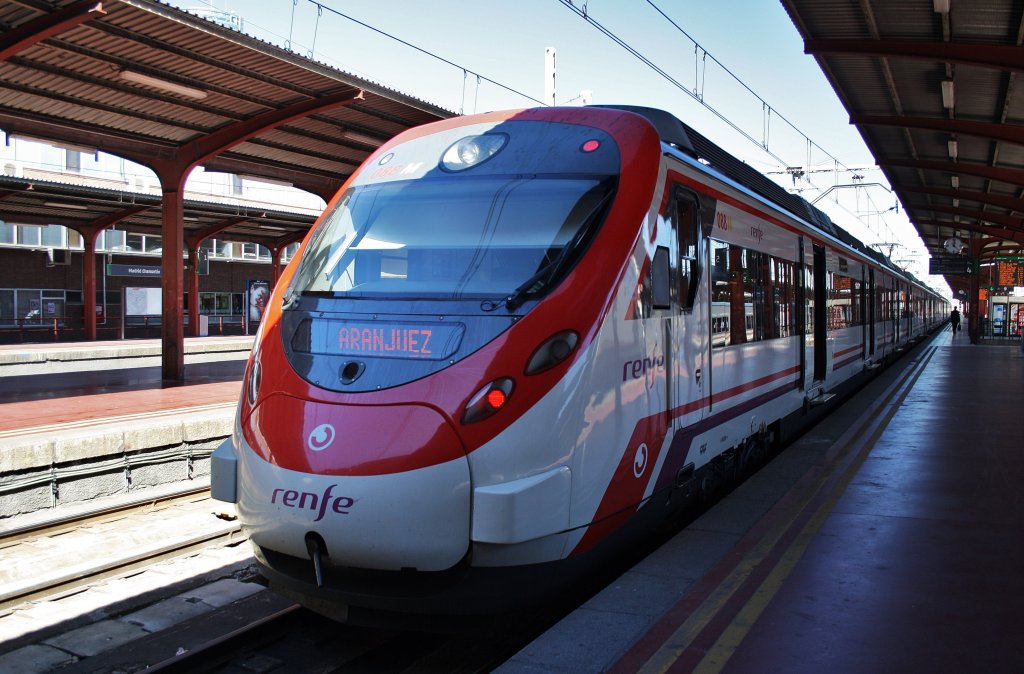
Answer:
(258, 292)
(142, 301)
(998, 318)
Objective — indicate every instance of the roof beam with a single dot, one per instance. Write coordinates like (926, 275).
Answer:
(1000, 200)
(112, 219)
(994, 232)
(204, 147)
(194, 239)
(1001, 57)
(321, 184)
(48, 25)
(1013, 222)
(134, 148)
(1011, 176)
(1011, 133)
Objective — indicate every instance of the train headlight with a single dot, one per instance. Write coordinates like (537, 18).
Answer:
(252, 387)
(553, 351)
(472, 150)
(488, 400)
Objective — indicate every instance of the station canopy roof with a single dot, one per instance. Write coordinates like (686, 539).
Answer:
(145, 81)
(932, 87)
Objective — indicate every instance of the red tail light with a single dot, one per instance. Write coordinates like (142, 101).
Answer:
(488, 400)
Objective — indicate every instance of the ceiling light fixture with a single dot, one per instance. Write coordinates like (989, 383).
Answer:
(61, 204)
(954, 149)
(357, 137)
(941, 6)
(264, 179)
(948, 94)
(164, 85)
(955, 182)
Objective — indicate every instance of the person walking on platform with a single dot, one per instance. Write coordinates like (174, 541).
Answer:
(954, 320)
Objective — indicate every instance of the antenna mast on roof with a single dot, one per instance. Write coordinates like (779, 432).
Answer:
(549, 76)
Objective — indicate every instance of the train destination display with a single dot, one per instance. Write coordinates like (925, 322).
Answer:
(395, 340)
(1009, 273)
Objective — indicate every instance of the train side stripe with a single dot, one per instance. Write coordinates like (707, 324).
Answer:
(624, 493)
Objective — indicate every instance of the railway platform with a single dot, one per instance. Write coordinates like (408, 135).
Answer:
(86, 420)
(886, 539)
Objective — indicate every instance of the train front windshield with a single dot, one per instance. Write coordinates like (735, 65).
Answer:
(453, 237)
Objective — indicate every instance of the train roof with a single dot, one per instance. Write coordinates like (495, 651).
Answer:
(691, 142)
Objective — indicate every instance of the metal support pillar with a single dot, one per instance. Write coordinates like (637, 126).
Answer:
(89, 236)
(173, 278)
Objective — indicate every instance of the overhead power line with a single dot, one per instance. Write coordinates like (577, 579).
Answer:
(321, 7)
(697, 95)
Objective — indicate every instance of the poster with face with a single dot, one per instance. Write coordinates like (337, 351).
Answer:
(258, 293)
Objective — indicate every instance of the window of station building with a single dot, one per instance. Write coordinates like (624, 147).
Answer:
(72, 160)
(52, 304)
(28, 235)
(52, 236)
(753, 295)
(111, 240)
(7, 314)
(135, 242)
(28, 305)
(221, 303)
(207, 303)
(7, 234)
(289, 252)
(153, 243)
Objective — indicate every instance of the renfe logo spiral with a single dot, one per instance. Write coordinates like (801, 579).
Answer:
(321, 437)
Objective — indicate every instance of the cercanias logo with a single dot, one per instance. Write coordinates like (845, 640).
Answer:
(321, 437)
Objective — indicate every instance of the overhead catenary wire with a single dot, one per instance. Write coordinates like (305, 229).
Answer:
(697, 93)
(582, 13)
(427, 52)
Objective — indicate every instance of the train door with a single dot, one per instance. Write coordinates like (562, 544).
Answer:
(898, 310)
(869, 305)
(688, 325)
(820, 315)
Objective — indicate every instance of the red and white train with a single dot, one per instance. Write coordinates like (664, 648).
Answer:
(515, 340)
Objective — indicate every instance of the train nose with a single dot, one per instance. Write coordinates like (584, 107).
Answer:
(385, 487)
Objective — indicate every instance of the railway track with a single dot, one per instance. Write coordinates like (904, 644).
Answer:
(266, 632)
(47, 557)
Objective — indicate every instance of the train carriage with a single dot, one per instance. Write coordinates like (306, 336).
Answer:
(515, 340)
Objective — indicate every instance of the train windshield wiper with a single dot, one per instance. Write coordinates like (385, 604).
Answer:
(551, 270)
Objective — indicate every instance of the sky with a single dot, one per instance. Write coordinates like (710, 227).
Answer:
(779, 99)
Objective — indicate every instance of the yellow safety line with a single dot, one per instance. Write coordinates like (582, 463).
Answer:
(685, 634)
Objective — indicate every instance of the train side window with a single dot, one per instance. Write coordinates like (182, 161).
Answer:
(661, 283)
(687, 225)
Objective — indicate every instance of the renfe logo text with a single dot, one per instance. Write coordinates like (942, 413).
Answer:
(304, 500)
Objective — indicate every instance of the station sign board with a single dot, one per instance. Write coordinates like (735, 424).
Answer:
(136, 270)
(949, 265)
